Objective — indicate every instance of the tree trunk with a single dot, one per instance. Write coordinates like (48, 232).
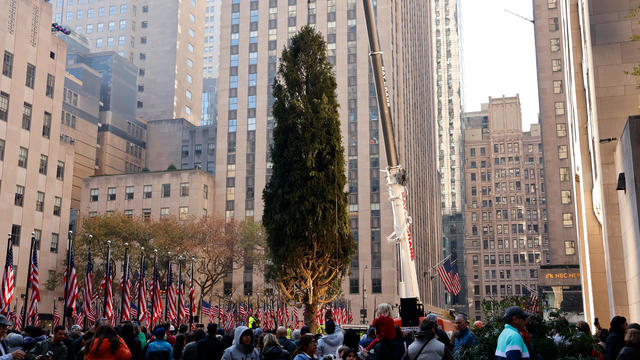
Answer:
(310, 316)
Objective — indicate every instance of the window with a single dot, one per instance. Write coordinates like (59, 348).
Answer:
(123, 9)
(93, 195)
(146, 192)
(557, 87)
(37, 236)
(569, 247)
(567, 219)
(121, 40)
(31, 76)
(205, 192)
(111, 194)
(146, 215)
(553, 24)
(556, 65)
(57, 205)
(60, 171)
(188, 94)
(128, 193)
(4, 106)
(566, 197)
(15, 234)
(7, 64)
(2, 145)
(187, 110)
(552, 4)
(559, 107)
(123, 24)
(40, 201)
(44, 160)
(166, 190)
(190, 47)
(184, 189)
(184, 212)
(145, 8)
(128, 213)
(51, 83)
(564, 174)
(99, 40)
(54, 243)
(26, 116)
(143, 40)
(561, 130)
(19, 196)
(164, 213)
(46, 125)
(110, 41)
(23, 157)
(562, 151)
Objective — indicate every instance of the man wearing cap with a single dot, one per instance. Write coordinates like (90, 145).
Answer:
(511, 346)
(4, 349)
(159, 349)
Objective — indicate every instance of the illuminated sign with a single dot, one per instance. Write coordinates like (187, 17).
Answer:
(562, 275)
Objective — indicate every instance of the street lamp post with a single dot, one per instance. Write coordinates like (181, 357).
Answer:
(363, 311)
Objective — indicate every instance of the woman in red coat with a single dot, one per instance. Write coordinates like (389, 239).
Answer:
(106, 345)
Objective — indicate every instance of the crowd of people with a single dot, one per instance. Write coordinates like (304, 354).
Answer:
(383, 340)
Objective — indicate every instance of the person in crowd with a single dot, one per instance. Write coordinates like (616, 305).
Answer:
(463, 336)
(106, 345)
(286, 344)
(583, 327)
(295, 336)
(601, 336)
(159, 349)
(242, 347)
(273, 350)
(351, 341)
(211, 347)
(511, 346)
(50, 349)
(440, 334)
(132, 341)
(350, 354)
(303, 330)
(329, 344)
(632, 341)
(33, 335)
(615, 340)
(370, 336)
(426, 346)
(307, 348)
(14, 342)
(178, 347)
(6, 352)
(191, 350)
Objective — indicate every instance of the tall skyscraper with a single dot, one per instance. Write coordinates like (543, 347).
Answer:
(447, 98)
(36, 166)
(164, 39)
(505, 213)
(253, 35)
(563, 258)
(211, 39)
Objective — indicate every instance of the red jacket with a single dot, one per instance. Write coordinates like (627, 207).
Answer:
(385, 328)
(104, 351)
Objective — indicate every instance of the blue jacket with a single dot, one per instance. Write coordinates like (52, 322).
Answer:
(510, 345)
(464, 338)
(159, 350)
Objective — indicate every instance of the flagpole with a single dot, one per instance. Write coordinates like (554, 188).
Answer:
(107, 277)
(191, 297)
(66, 280)
(179, 304)
(125, 278)
(166, 298)
(140, 284)
(86, 321)
(153, 286)
(26, 293)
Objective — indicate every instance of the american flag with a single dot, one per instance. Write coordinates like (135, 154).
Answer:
(242, 312)
(206, 309)
(56, 316)
(534, 302)
(78, 318)
(286, 312)
(157, 300)
(192, 296)
(449, 275)
(109, 294)
(350, 316)
(171, 298)
(295, 315)
(134, 311)
(142, 293)
(125, 287)
(35, 285)
(87, 296)
(280, 316)
(71, 283)
(18, 318)
(184, 308)
(7, 281)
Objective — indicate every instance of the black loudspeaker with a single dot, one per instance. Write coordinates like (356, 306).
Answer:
(410, 311)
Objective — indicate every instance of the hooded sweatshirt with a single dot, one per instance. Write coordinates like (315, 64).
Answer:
(103, 352)
(239, 351)
(329, 344)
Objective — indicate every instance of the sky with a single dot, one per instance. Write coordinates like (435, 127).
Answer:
(498, 51)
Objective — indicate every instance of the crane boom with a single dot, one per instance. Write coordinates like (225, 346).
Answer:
(396, 175)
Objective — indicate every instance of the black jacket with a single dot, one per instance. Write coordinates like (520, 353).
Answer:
(629, 352)
(615, 343)
(444, 338)
(133, 343)
(210, 348)
(275, 353)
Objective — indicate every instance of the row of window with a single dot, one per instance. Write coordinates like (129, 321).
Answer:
(16, 231)
(183, 213)
(40, 196)
(531, 242)
(23, 157)
(520, 258)
(147, 192)
(30, 79)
